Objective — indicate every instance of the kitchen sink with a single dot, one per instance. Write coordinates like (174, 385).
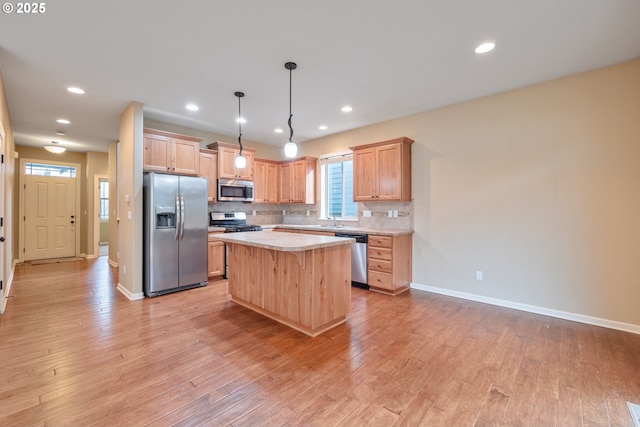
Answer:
(331, 226)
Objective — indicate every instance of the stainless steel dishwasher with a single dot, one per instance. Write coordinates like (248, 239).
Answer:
(358, 259)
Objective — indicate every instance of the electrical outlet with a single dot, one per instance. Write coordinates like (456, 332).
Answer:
(366, 214)
(395, 214)
(479, 275)
(308, 212)
(390, 213)
(284, 212)
(254, 212)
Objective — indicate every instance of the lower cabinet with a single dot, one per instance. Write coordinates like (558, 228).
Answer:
(389, 263)
(215, 264)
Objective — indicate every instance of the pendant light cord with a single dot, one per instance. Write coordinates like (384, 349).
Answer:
(290, 115)
(239, 95)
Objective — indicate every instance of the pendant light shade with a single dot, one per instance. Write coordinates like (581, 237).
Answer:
(241, 161)
(290, 148)
(55, 148)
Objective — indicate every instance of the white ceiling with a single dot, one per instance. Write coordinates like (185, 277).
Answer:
(386, 59)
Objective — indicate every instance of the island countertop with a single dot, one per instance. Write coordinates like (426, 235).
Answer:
(285, 242)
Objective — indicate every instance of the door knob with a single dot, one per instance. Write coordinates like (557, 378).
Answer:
(73, 222)
(1, 239)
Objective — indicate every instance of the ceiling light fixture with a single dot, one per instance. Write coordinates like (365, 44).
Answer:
(323, 127)
(290, 148)
(63, 121)
(192, 107)
(75, 90)
(240, 161)
(60, 132)
(485, 47)
(278, 130)
(54, 147)
(346, 109)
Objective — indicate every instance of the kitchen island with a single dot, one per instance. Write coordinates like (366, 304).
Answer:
(302, 281)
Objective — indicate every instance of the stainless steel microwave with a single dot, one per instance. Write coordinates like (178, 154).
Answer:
(235, 190)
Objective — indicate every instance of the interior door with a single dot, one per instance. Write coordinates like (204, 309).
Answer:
(50, 217)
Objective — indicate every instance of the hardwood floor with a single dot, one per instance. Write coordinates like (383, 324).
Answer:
(75, 352)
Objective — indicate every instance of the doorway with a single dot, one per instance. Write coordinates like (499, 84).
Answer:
(49, 206)
(101, 208)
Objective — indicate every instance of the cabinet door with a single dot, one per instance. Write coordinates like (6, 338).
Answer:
(208, 168)
(226, 162)
(365, 177)
(185, 156)
(389, 169)
(298, 182)
(260, 182)
(156, 151)
(245, 173)
(286, 179)
(272, 176)
(215, 263)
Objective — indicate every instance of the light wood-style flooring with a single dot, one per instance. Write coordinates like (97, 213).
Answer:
(75, 352)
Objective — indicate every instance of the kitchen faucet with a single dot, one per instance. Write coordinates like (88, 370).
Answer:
(335, 223)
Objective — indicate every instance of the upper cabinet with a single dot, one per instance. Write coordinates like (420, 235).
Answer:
(265, 181)
(382, 171)
(227, 154)
(297, 181)
(209, 170)
(170, 153)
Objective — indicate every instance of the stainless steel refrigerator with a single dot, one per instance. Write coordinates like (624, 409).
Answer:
(175, 233)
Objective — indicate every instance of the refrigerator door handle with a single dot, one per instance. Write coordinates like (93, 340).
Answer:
(179, 216)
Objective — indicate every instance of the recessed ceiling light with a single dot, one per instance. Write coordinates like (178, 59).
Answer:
(323, 127)
(75, 90)
(63, 121)
(192, 107)
(346, 109)
(485, 47)
(241, 120)
(278, 130)
(60, 132)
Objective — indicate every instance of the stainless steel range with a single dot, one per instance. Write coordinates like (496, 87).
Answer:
(232, 222)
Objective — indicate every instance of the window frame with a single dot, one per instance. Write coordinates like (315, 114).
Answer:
(323, 161)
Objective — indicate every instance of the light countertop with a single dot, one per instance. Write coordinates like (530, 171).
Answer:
(345, 229)
(286, 242)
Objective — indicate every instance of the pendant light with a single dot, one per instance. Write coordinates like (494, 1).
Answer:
(240, 161)
(290, 148)
(55, 148)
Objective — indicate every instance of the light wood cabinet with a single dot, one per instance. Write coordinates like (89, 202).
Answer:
(382, 171)
(389, 263)
(209, 169)
(227, 154)
(265, 177)
(168, 152)
(297, 181)
(215, 258)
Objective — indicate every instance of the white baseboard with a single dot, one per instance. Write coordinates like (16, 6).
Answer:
(128, 294)
(581, 318)
(91, 256)
(113, 263)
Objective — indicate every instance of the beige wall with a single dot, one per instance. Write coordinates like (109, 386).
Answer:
(6, 193)
(113, 203)
(130, 231)
(538, 187)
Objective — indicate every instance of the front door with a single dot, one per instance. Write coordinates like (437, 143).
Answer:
(50, 217)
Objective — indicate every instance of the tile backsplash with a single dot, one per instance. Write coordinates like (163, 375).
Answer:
(261, 214)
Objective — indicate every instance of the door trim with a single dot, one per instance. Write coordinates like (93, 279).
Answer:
(23, 162)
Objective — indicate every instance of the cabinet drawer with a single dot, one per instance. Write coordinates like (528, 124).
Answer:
(380, 265)
(379, 253)
(380, 280)
(381, 241)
